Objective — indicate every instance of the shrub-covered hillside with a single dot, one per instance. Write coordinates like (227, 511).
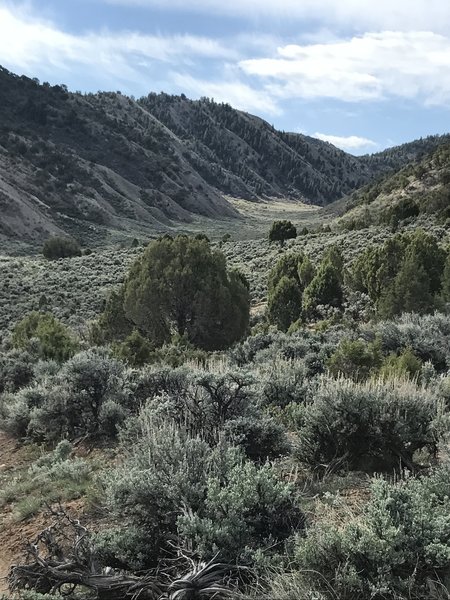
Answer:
(419, 191)
(255, 420)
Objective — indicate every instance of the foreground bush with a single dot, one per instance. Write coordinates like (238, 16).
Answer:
(398, 548)
(176, 488)
(87, 396)
(373, 426)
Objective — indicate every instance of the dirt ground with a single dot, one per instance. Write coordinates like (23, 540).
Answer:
(13, 536)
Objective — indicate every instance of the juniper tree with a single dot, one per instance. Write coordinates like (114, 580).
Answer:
(181, 287)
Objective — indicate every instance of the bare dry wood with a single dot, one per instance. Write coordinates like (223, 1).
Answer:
(61, 559)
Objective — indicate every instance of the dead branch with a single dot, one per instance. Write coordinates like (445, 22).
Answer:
(61, 559)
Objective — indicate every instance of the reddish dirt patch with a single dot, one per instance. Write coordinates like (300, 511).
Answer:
(11, 454)
(15, 535)
(13, 539)
(12, 535)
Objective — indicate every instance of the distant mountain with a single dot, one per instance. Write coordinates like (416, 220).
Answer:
(86, 164)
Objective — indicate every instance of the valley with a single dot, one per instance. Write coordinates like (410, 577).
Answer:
(224, 356)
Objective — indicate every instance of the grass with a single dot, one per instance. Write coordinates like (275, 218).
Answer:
(25, 491)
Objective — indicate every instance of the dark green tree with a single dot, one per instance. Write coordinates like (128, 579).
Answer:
(426, 252)
(324, 289)
(287, 281)
(60, 247)
(288, 266)
(410, 291)
(306, 272)
(281, 231)
(334, 255)
(403, 275)
(445, 294)
(180, 287)
(285, 303)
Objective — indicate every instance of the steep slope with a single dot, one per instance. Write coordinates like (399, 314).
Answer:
(419, 190)
(89, 164)
(244, 156)
(83, 164)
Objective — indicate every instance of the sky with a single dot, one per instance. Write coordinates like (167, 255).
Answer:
(361, 74)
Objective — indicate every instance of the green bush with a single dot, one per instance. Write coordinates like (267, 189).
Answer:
(60, 247)
(370, 426)
(135, 350)
(398, 548)
(55, 340)
(356, 359)
(405, 365)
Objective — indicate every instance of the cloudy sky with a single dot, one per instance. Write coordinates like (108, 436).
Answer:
(362, 74)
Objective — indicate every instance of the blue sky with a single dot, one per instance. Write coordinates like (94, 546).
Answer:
(363, 74)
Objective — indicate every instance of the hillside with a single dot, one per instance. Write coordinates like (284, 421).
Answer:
(91, 165)
(417, 191)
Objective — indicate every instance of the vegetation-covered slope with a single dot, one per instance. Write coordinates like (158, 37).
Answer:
(235, 418)
(417, 190)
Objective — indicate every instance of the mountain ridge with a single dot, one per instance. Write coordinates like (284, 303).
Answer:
(84, 164)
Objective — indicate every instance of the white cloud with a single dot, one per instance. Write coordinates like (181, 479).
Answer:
(356, 15)
(235, 92)
(27, 42)
(351, 142)
(413, 65)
